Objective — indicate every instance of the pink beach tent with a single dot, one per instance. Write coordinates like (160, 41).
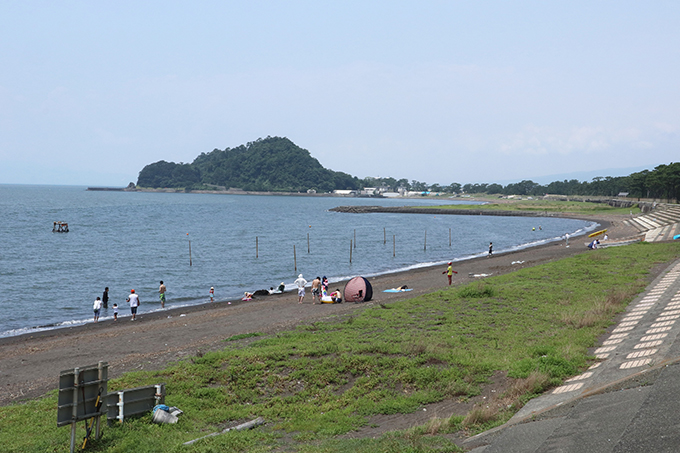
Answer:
(358, 289)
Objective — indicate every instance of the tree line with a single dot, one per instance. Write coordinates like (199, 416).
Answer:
(663, 183)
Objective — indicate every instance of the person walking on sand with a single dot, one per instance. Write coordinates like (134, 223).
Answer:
(161, 294)
(490, 250)
(134, 303)
(316, 289)
(105, 298)
(449, 272)
(300, 283)
(97, 307)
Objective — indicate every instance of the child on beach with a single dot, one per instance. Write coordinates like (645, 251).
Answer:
(449, 271)
(212, 294)
(97, 307)
(115, 312)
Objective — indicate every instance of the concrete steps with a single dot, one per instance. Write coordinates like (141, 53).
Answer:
(660, 224)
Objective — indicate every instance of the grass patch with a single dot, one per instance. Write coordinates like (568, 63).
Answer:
(242, 336)
(575, 207)
(320, 381)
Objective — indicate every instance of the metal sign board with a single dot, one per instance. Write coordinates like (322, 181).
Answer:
(127, 403)
(78, 391)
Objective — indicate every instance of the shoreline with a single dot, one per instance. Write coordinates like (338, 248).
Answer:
(41, 330)
(30, 363)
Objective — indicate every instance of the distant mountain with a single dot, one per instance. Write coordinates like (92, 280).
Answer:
(271, 164)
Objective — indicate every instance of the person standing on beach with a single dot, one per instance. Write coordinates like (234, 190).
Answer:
(300, 283)
(97, 307)
(316, 289)
(115, 312)
(212, 294)
(490, 250)
(161, 294)
(449, 272)
(105, 298)
(134, 303)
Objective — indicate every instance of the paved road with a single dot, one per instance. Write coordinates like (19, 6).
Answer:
(629, 401)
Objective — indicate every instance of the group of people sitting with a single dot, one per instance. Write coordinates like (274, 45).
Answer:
(319, 291)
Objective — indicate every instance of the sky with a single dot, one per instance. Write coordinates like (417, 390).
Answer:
(433, 91)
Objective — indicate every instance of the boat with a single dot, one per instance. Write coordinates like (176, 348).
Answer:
(597, 233)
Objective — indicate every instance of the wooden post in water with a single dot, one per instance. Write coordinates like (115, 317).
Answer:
(384, 236)
(294, 258)
(307, 243)
(189, 250)
(425, 244)
(449, 237)
(394, 246)
(350, 251)
(355, 238)
(257, 248)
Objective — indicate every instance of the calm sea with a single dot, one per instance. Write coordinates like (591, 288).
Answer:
(127, 240)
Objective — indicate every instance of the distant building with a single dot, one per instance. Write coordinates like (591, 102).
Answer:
(622, 194)
(345, 192)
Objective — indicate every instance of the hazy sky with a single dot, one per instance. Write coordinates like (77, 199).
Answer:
(441, 92)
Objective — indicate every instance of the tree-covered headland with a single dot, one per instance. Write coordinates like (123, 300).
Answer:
(276, 164)
(271, 164)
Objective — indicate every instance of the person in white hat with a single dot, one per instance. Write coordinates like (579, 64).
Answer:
(300, 283)
(212, 294)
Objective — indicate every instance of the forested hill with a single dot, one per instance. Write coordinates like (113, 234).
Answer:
(269, 164)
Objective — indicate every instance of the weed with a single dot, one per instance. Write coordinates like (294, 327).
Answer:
(243, 336)
(480, 415)
(477, 290)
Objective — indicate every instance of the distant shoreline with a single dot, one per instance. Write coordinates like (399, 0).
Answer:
(231, 192)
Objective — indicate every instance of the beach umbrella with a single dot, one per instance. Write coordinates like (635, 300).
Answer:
(358, 289)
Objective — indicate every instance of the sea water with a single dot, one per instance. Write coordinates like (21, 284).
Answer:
(235, 243)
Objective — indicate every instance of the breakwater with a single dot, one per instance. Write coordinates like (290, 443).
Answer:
(441, 211)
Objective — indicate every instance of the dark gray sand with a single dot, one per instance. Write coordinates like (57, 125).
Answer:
(30, 364)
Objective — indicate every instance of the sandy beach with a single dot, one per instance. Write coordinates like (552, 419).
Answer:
(30, 364)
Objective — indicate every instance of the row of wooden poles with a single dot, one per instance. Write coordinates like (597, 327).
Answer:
(352, 245)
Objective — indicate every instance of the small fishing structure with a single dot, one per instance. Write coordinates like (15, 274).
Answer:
(60, 227)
